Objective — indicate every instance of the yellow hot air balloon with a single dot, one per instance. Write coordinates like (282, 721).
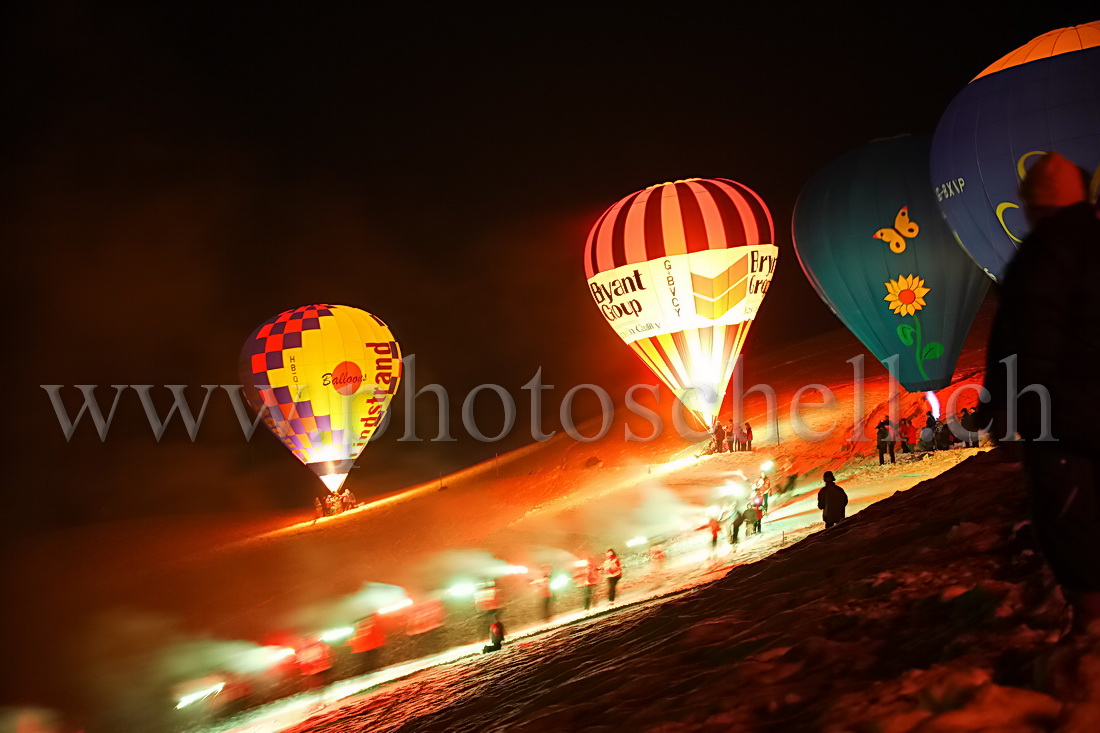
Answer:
(679, 271)
(323, 377)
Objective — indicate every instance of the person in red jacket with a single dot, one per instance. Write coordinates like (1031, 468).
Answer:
(314, 663)
(496, 636)
(366, 644)
(613, 569)
(908, 435)
(715, 527)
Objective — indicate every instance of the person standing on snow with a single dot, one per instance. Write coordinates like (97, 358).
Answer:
(613, 569)
(715, 527)
(366, 644)
(587, 577)
(942, 436)
(748, 437)
(757, 507)
(1048, 324)
(735, 526)
(719, 437)
(969, 428)
(543, 590)
(831, 500)
(908, 435)
(885, 434)
(748, 518)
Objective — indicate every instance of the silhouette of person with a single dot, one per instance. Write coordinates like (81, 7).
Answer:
(831, 500)
(1049, 322)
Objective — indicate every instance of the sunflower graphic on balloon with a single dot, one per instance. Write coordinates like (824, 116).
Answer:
(906, 297)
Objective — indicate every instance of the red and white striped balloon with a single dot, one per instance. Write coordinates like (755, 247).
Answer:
(679, 271)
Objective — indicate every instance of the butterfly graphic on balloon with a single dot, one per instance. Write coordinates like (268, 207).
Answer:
(903, 229)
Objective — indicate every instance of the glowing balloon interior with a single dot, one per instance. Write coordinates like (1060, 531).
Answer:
(679, 271)
(322, 376)
(1043, 96)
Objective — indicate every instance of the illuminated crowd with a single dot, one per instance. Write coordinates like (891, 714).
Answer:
(405, 628)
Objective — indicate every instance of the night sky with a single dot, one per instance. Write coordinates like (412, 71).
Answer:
(174, 176)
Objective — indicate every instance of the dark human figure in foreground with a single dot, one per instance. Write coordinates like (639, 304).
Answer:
(496, 636)
(831, 500)
(748, 437)
(1049, 320)
(613, 569)
(884, 431)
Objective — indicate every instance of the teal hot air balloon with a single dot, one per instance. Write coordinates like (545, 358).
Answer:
(871, 240)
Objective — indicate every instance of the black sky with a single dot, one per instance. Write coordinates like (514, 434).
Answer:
(176, 173)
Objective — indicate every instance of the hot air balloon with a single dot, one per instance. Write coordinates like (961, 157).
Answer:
(1043, 96)
(322, 376)
(872, 242)
(679, 271)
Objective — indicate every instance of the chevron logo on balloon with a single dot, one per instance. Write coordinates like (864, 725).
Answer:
(716, 296)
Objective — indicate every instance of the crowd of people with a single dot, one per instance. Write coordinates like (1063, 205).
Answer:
(731, 437)
(932, 435)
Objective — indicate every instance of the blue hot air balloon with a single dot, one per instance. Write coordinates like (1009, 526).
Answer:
(1043, 96)
(871, 240)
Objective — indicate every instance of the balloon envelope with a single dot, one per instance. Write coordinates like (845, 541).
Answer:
(679, 271)
(322, 376)
(872, 242)
(1043, 96)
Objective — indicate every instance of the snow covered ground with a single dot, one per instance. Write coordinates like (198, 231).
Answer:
(690, 566)
(103, 608)
(924, 612)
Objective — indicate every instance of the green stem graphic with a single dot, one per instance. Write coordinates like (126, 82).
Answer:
(917, 342)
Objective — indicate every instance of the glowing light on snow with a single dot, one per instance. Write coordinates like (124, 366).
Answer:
(636, 541)
(673, 465)
(580, 564)
(284, 653)
(199, 695)
(396, 606)
(767, 466)
(462, 590)
(731, 488)
(934, 403)
(331, 635)
(559, 581)
(515, 570)
(714, 510)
